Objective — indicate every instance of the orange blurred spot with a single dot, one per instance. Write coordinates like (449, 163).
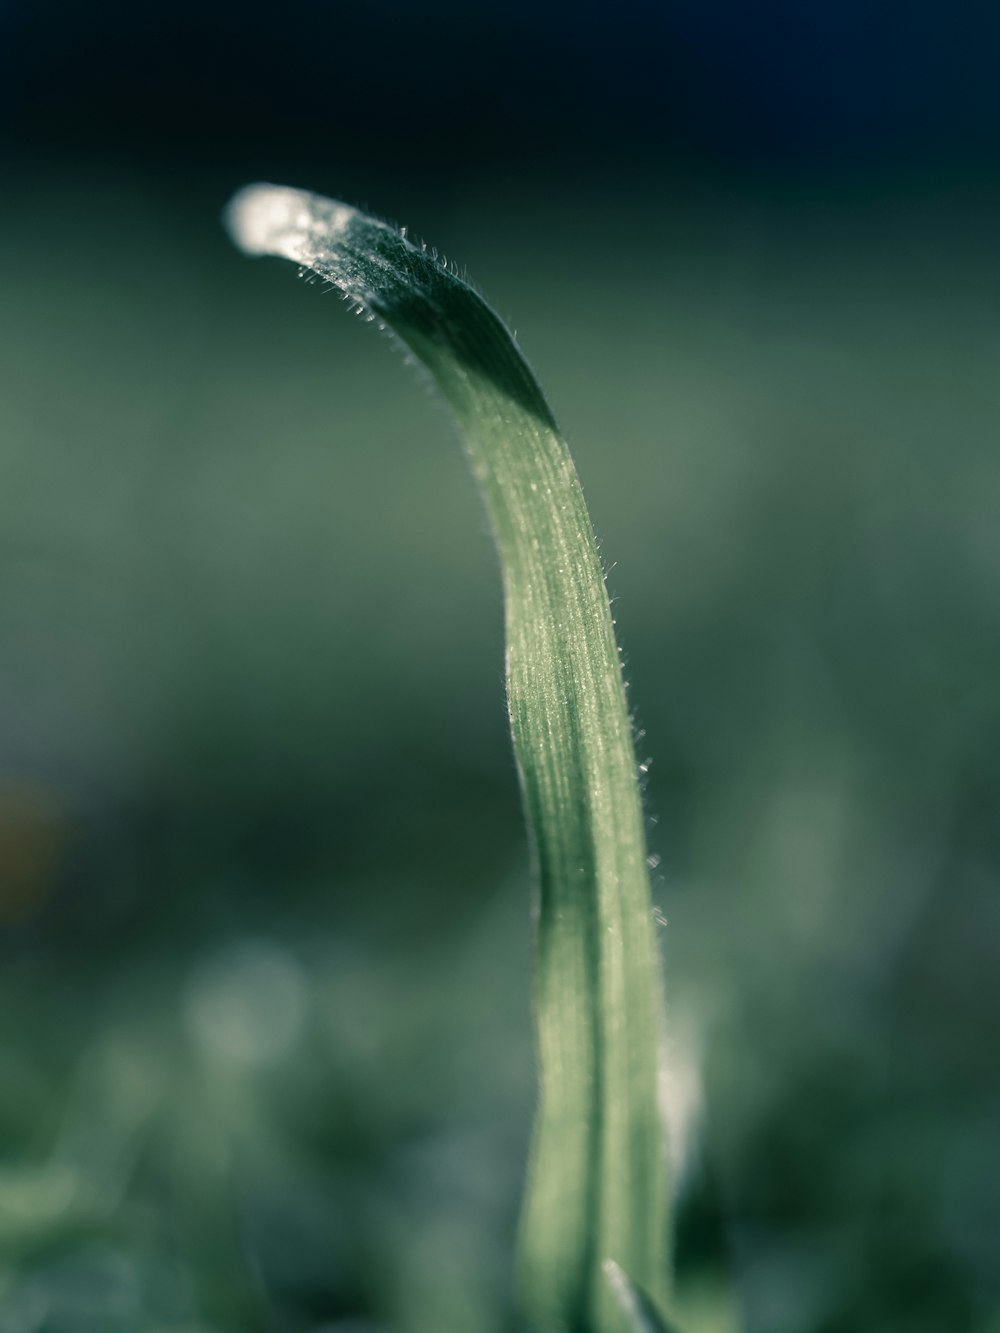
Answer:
(33, 828)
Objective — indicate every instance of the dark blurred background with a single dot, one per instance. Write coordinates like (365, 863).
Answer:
(265, 1031)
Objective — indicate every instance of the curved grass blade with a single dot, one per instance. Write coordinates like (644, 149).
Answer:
(597, 1182)
(640, 1313)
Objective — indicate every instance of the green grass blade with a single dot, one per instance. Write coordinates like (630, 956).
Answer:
(641, 1315)
(597, 1183)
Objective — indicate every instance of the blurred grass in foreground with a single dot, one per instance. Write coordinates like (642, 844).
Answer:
(258, 1075)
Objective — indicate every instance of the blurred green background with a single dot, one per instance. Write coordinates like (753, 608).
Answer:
(265, 1028)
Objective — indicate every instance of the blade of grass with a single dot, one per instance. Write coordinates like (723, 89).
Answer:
(640, 1313)
(597, 1181)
